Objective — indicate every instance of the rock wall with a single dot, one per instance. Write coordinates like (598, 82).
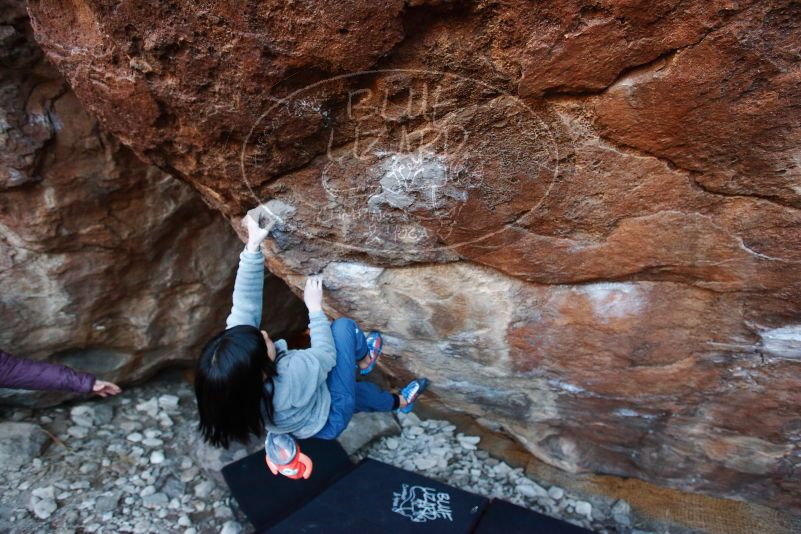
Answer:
(106, 263)
(580, 219)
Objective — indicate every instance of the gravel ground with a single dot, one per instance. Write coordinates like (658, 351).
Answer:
(131, 464)
(117, 465)
(434, 449)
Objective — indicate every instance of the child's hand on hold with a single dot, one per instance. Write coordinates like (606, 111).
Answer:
(257, 230)
(313, 293)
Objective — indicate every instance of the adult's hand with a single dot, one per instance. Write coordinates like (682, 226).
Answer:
(105, 389)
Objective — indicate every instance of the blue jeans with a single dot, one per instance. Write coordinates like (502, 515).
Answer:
(347, 395)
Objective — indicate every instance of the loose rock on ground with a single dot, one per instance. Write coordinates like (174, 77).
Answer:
(139, 467)
(123, 464)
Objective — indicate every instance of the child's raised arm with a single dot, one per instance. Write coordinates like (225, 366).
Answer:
(322, 341)
(249, 284)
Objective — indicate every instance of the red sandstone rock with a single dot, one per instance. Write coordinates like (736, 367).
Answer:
(106, 263)
(581, 221)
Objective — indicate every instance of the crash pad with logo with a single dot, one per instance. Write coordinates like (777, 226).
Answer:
(376, 497)
(266, 498)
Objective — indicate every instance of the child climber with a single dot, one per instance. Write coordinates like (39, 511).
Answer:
(245, 382)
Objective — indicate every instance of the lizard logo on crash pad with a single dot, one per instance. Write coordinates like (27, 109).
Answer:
(422, 504)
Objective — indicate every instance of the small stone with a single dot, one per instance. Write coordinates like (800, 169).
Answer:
(502, 469)
(168, 402)
(440, 451)
(184, 521)
(472, 440)
(174, 488)
(156, 457)
(83, 416)
(104, 413)
(556, 493)
(409, 419)
(231, 527)
(87, 468)
(204, 489)
(43, 502)
(152, 442)
(79, 432)
(48, 492)
(531, 490)
(87, 504)
(107, 502)
(189, 474)
(391, 443)
(425, 462)
(150, 407)
(621, 507)
(190, 531)
(583, 508)
(135, 437)
(130, 426)
(622, 519)
(365, 428)
(157, 500)
(222, 512)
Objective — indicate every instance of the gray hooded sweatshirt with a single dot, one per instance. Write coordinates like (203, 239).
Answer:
(301, 401)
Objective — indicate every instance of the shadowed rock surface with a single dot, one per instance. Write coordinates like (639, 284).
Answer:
(581, 220)
(106, 264)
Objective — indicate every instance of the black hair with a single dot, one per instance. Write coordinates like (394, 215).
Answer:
(230, 386)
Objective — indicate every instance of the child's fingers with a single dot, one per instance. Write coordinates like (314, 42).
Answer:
(272, 467)
(306, 461)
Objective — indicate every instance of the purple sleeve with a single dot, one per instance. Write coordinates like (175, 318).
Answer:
(29, 374)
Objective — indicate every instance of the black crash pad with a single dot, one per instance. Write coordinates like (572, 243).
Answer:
(376, 497)
(508, 518)
(266, 498)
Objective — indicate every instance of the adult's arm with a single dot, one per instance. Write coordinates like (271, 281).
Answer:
(20, 373)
